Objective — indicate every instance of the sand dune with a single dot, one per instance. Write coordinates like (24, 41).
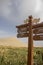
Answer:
(12, 42)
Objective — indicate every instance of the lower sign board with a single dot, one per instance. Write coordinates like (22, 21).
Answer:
(38, 37)
(35, 37)
(23, 35)
(26, 30)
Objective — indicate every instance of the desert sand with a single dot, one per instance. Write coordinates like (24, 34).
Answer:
(12, 41)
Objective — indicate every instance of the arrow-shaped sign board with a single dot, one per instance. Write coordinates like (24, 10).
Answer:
(22, 35)
(38, 37)
(38, 30)
(27, 25)
(23, 30)
(35, 37)
(26, 30)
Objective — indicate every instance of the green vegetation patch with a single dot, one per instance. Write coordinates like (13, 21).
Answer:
(18, 56)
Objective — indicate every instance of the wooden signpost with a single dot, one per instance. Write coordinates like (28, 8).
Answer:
(31, 31)
(30, 43)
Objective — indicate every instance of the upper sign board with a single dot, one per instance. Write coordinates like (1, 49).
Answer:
(26, 30)
(34, 25)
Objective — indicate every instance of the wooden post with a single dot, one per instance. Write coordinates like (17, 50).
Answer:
(30, 43)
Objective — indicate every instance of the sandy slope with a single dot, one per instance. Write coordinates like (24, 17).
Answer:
(12, 42)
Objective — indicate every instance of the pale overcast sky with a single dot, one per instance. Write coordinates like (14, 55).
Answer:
(13, 12)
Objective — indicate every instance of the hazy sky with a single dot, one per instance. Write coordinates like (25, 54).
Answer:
(13, 12)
